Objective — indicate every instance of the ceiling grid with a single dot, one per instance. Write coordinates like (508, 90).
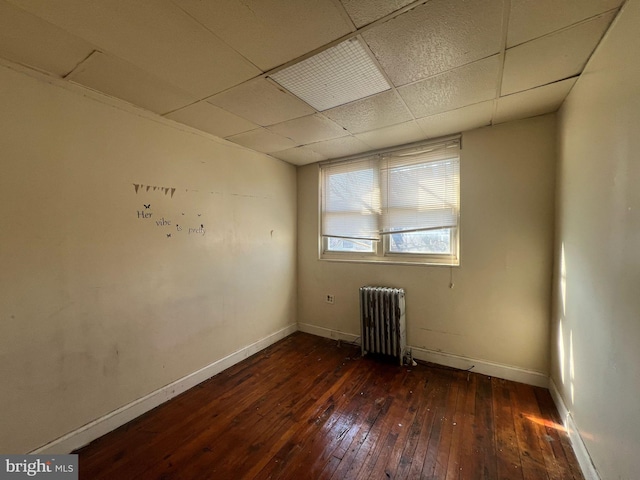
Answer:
(436, 67)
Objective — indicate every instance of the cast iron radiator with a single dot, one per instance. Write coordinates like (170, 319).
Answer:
(383, 321)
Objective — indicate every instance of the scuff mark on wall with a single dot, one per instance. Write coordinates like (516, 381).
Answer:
(442, 332)
(58, 311)
(111, 362)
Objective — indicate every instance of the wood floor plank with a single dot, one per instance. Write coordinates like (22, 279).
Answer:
(478, 455)
(248, 421)
(272, 432)
(553, 469)
(322, 453)
(365, 441)
(317, 447)
(468, 450)
(531, 456)
(359, 424)
(379, 401)
(208, 414)
(371, 395)
(436, 462)
(316, 415)
(462, 417)
(390, 429)
(309, 408)
(561, 455)
(430, 395)
(508, 464)
(387, 465)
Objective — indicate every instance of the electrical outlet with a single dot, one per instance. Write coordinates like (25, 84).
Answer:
(330, 298)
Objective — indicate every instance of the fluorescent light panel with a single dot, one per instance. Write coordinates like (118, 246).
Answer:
(338, 75)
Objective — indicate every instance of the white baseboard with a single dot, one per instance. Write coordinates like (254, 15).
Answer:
(584, 459)
(507, 372)
(485, 367)
(101, 426)
(327, 333)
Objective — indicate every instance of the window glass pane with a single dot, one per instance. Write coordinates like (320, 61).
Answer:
(349, 245)
(431, 241)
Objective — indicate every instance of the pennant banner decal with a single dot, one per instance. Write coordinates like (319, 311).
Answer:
(138, 187)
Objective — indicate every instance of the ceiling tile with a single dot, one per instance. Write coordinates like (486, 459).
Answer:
(399, 134)
(339, 147)
(125, 81)
(299, 156)
(30, 41)
(370, 113)
(536, 101)
(261, 102)
(271, 32)
(338, 75)
(309, 129)
(155, 35)
(531, 19)
(209, 118)
(555, 57)
(457, 88)
(262, 140)
(435, 37)
(459, 120)
(363, 12)
(201, 63)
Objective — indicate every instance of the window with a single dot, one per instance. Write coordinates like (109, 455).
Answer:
(394, 206)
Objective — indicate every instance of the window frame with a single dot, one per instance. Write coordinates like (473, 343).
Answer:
(381, 248)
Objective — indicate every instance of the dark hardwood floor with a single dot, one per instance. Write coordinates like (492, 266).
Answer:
(308, 408)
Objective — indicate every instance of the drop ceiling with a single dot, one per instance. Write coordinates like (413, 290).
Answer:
(230, 67)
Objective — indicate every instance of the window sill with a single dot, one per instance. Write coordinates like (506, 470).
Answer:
(413, 261)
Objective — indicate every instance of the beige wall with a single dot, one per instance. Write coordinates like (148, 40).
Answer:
(499, 308)
(596, 328)
(99, 307)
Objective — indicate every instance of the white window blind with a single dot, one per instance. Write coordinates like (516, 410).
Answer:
(403, 191)
(351, 200)
(420, 190)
